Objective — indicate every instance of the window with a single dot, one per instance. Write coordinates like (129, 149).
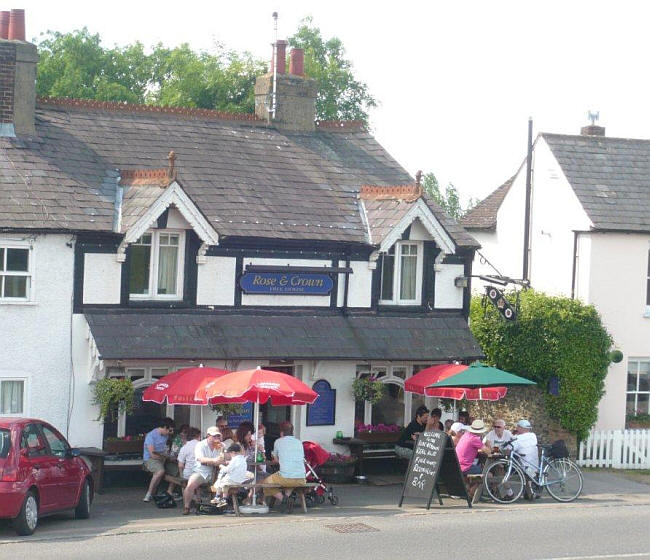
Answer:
(32, 440)
(57, 444)
(638, 387)
(15, 276)
(12, 392)
(156, 266)
(401, 274)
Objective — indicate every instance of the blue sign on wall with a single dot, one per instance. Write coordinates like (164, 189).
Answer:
(323, 411)
(286, 283)
(246, 415)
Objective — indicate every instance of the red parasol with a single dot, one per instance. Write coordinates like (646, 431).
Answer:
(181, 386)
(419, 383)
(258, 386)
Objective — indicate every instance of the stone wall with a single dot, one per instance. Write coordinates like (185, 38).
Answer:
(528, 403)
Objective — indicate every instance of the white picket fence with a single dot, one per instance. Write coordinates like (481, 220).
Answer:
(616, 449)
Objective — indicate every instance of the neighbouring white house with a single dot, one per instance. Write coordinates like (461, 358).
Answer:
(136, 240)
(589, 239)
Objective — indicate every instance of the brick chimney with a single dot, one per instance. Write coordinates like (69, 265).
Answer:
(295, 94)
(592, 130)
(17, 77)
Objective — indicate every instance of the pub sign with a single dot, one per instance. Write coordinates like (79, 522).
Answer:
(286, 283)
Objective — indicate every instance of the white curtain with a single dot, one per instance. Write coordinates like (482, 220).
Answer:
(11, 397)
(408, 272)
(167, 268)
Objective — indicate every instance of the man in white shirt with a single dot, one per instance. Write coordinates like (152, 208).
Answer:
(525, 444)
(289, 453)
(186, 456)
(208, 454)
(498, 435)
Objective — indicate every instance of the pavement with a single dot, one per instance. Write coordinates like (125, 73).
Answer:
(121, 511)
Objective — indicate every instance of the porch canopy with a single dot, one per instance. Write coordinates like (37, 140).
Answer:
(199, 335)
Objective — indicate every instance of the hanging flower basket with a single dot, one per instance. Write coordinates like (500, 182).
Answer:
(368, 389)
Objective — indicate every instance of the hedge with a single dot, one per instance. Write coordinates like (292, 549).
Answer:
(552, 336)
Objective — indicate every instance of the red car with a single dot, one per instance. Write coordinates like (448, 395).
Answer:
(40, 474)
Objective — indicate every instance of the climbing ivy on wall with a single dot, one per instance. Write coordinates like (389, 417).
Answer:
(553, 336)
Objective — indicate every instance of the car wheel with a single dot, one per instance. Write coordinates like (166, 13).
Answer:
(82, 511)
(25, 523)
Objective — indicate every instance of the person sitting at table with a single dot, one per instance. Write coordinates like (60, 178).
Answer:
(155, 456)
(289, 453)
(186, 457)
(234, 472)
(456, 431)
(526, 445)
(433, 422)
(467, 449)
(227, 437)
(406, 442)
(498, 435)
(208, 455)
(448, 424)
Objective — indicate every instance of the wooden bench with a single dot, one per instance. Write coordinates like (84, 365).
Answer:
(234, 489)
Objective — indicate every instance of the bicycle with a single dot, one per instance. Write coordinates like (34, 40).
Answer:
(505, 479)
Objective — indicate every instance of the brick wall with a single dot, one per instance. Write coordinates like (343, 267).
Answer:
(528, 403)
(7, 81)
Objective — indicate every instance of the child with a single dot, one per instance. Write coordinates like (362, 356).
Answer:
(233, 473)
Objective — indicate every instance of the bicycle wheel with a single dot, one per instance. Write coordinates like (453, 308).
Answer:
(563, 480)
(504, 481)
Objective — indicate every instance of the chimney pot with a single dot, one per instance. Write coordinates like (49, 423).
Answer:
(592, 130)
(4, 25)
(17, 25)
(281, 55)
(297, 62)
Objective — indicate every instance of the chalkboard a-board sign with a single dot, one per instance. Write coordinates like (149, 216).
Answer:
(434, 460)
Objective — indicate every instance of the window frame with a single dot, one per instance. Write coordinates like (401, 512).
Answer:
(636, 391)
(647, 297)
(154, 260)
(23, 412)
(397, 274)
(29, 273)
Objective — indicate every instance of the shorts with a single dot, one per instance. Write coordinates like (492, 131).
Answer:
(156, 465)
(277, 478)
(225, 481)
(474, 469)
(199, 477)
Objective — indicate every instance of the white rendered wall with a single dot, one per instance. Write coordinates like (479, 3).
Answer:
(286, 300)
(216, 281)
(360, 285)
(175, 220)
(102, 278)
(619, 264)
(36, 335)
(447, 295)
(556, 214)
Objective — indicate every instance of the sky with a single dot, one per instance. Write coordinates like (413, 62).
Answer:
(456, 81)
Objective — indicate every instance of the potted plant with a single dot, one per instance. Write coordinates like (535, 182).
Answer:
(113, 395)
(637, 421)
(338, 468)
(378, 433)
(368, 389)
(126, 444)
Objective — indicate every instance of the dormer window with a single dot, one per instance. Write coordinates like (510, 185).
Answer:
(401, 274)
(156, 266)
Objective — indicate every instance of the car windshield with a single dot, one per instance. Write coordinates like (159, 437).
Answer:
(4, 443)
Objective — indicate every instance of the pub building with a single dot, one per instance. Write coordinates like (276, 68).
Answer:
(177, 237)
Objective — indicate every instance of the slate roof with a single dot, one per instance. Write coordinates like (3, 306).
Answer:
(175, 335)
(246, 178)
(610, 176)
(484, 215)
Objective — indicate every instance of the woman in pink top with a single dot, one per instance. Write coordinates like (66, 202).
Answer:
(469, 446)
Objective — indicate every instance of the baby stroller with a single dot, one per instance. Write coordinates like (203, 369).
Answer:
(315, 456)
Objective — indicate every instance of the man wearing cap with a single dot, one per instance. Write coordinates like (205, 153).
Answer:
(525, 444)
(209, 454)
(498, 435)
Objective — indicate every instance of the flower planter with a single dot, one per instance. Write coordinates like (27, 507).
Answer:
(379, 437)
(337, 472)
(632, 425)
(124, 446)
